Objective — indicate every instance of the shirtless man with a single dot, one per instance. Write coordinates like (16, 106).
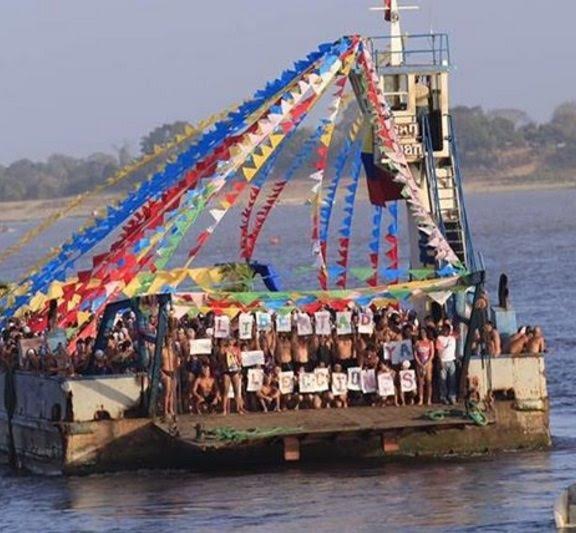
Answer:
(491, 340)
(345, 350)
(363, 340)
(266, 343)
(536, 343)
(206, 395)
(300, 350)
(517, 342)
(380, 331)
(168, 376)
(283, 351)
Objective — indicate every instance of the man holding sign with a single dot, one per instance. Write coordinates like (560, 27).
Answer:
(344, 345)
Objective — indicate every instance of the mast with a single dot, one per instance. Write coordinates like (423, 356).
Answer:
(391, 11)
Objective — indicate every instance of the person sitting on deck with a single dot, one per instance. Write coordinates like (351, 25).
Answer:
(268, 395)
(535, 343)
(488, 339)
(517, 342)
(205, 393)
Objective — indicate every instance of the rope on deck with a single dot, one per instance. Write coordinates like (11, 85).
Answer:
(237, 435)
(473, 412)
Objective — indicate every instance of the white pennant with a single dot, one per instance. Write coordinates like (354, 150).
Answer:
(217, 214)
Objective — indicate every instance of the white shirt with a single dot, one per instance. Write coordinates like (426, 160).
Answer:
(446, 346)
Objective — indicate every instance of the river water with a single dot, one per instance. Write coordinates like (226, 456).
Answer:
(529, 235)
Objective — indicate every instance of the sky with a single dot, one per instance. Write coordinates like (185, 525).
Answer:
(80, 76)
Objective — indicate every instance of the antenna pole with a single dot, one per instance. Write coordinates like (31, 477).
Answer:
(396, 46)
(392, 15)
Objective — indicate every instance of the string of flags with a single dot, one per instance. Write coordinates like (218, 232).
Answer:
(345, 231)
(265, 135)
(278, 187)
(237, 151)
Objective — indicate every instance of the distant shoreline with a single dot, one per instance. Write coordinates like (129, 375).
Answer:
(30, 210)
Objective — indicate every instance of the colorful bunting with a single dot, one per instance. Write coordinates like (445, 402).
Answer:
(346, 227)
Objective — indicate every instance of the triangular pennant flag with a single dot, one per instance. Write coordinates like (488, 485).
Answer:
(217, 214)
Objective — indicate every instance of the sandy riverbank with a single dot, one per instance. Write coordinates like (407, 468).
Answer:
(297, 193)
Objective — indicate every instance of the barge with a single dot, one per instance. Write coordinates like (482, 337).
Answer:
(57, 427)
(68, 424)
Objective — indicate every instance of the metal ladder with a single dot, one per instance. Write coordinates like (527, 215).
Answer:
(447, 196)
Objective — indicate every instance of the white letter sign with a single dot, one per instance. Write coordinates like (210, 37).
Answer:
(368, 381)
(221, 327)
(322, 379)
(408, 380)
(286, 382)
(366, 323)
(398, 351)
(307, 382)
(339, 384)
(304, 324)
(354, 378)
(322, 320)
(263, 321)
(201, 347)
(344, 323)
(245, 322)
(284, 323)
(255, 379)
(386, 385)
(252, 358)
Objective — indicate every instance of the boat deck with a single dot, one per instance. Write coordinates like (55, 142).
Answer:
(217, 431)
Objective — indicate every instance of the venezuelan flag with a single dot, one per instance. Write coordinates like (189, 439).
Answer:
(381, 187)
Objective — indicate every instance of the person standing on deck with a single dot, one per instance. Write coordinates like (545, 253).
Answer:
(231, 366)
(169, 367)
(424, 358)
(344, 350)
(446, 350)
(283, 350)
(301, 350)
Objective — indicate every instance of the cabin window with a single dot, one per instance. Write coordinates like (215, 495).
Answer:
(396, 91)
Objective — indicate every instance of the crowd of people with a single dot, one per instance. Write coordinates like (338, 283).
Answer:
(267, 362)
